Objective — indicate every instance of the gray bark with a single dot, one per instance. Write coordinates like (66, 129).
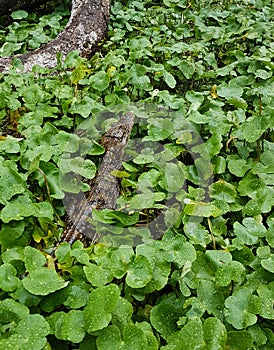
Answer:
(86, 27)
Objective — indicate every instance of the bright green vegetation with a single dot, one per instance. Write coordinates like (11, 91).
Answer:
(208, 283)
(23, 31)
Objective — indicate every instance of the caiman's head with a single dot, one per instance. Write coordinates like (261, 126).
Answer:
(119, 132)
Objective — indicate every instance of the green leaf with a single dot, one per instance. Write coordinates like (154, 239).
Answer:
(169, 79)
(238, 167)
(268, 263)
(8, 280)
(100, 81)
(97, 276)
(249, 185)
(100, 307)
(233, 271)
(24, 297)
(252, 129)
(146, 156)
(68, 326)
(158, 263)
(152, 341)
(30, 333)
(266, 294)
(219, 165)
(132, 337)
(165, 315)
(11, 183)
(139, 272)
(34, 259)
(43, 281)
(10, 145)
(174, 179)
(238, 102)
(77, 297)
(234, 338)
(211, 297)
(211, 147)
(11, 311)
(83, 107)
(19, 14)
(229, 91)
(241, 308)
(12, 235)
(52, 174)
(33, 95)
(263, 74)
(79, 253)
(28, 330)
(201, 209)
(123, 218)
(78, 165)
(146, 200)
(187, 68)
(18, 208)
(248, 233)
(123, 312)
(197, 233)
(189, 337)
(120, 260)
(139, 78)
(179, 251)
(215, 334)
(223, 190)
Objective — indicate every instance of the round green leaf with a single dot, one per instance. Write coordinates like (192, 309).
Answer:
(68, 326)
(229, 91)
(131, 338)
(223, 190)
(211, 297)
(11, 311)
(43, 281)
(11, 183)
(266, 293)
(77, 297)
(139, 272)
(189, 337)
(201, 209)
(19, 14)
(78, 165)
(123, 312)
(215, 334)
(241, 308)
(100, 81)
(31, 332)
(97, 276)
(165, 315)
(8, 280)
(33, 259)
(268, 264)
(101, 305)
(238, 167)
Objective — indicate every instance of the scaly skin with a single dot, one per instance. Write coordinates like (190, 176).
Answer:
(104, 188)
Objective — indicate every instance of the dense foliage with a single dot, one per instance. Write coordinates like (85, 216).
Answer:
(199, 77)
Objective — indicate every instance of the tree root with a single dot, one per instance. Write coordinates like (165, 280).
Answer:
(85, 28)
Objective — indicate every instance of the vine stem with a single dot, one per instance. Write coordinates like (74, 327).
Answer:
(211, 233)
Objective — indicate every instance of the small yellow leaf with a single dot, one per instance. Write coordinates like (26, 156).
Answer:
(111, 71)
(214, 91)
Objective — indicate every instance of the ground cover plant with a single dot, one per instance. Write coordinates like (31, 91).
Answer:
(199, 77)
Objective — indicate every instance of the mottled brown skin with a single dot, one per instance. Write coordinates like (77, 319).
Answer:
(104, 188)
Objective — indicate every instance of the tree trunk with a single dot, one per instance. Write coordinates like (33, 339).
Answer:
(86, 27)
